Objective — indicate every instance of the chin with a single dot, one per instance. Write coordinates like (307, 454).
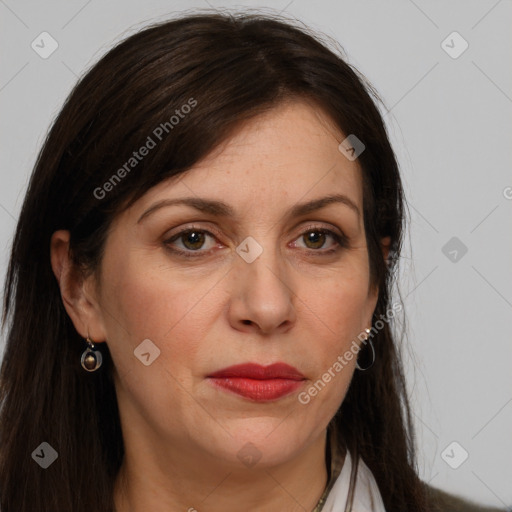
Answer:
(263, 441)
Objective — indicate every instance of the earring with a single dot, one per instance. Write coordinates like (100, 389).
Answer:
(373, 352)
(91, 359)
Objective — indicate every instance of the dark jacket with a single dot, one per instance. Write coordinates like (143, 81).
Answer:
(442, 501)
(439, 501)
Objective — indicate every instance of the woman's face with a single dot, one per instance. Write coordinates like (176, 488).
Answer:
(255, 280)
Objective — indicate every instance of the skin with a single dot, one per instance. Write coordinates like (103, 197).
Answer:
(292, 304)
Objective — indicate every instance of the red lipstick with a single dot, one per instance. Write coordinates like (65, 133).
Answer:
(258, 383)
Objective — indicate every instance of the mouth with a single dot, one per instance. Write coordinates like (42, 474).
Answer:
(258, 383)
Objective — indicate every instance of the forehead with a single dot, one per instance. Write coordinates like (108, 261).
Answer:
(285, 155)
(292, 138)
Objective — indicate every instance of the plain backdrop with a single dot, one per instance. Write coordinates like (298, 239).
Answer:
(449, 113)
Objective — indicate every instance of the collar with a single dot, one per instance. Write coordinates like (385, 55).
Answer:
(351, 486)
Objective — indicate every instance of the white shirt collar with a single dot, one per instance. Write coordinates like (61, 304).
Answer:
(367, 497)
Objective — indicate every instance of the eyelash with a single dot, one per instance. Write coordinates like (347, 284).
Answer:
(341, 240)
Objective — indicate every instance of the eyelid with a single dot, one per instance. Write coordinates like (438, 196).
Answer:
(329, 227)
(193, 227)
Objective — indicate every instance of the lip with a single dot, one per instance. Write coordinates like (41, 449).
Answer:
(258, 372)
(258, 383)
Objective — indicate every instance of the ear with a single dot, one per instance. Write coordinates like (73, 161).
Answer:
(78, 293)
(385, 244)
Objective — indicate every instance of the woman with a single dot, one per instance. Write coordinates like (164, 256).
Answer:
(199, 287)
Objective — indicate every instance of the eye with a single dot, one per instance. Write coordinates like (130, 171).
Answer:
(315, 238)
(192, 240)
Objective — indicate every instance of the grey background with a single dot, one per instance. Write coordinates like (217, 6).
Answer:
(449, 120)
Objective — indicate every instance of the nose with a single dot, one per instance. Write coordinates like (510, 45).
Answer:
(262, 295)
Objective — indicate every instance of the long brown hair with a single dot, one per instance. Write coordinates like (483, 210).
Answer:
(231, 67)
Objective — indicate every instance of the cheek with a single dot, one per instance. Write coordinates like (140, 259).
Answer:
(170, 308)
(340, 304)
(341, 301)
(173, 312)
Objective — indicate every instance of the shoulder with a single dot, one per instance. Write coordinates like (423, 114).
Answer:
(441, 501)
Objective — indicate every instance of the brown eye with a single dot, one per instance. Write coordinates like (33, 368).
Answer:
(192, 239)
(315, 238)
(190, 242)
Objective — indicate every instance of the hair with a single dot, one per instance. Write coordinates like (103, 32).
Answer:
(228, 68)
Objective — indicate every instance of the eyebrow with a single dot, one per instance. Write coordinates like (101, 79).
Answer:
(220, 209)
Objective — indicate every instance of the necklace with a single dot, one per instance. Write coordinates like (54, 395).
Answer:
(320, 505)
(330, 480)
(334, 461)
